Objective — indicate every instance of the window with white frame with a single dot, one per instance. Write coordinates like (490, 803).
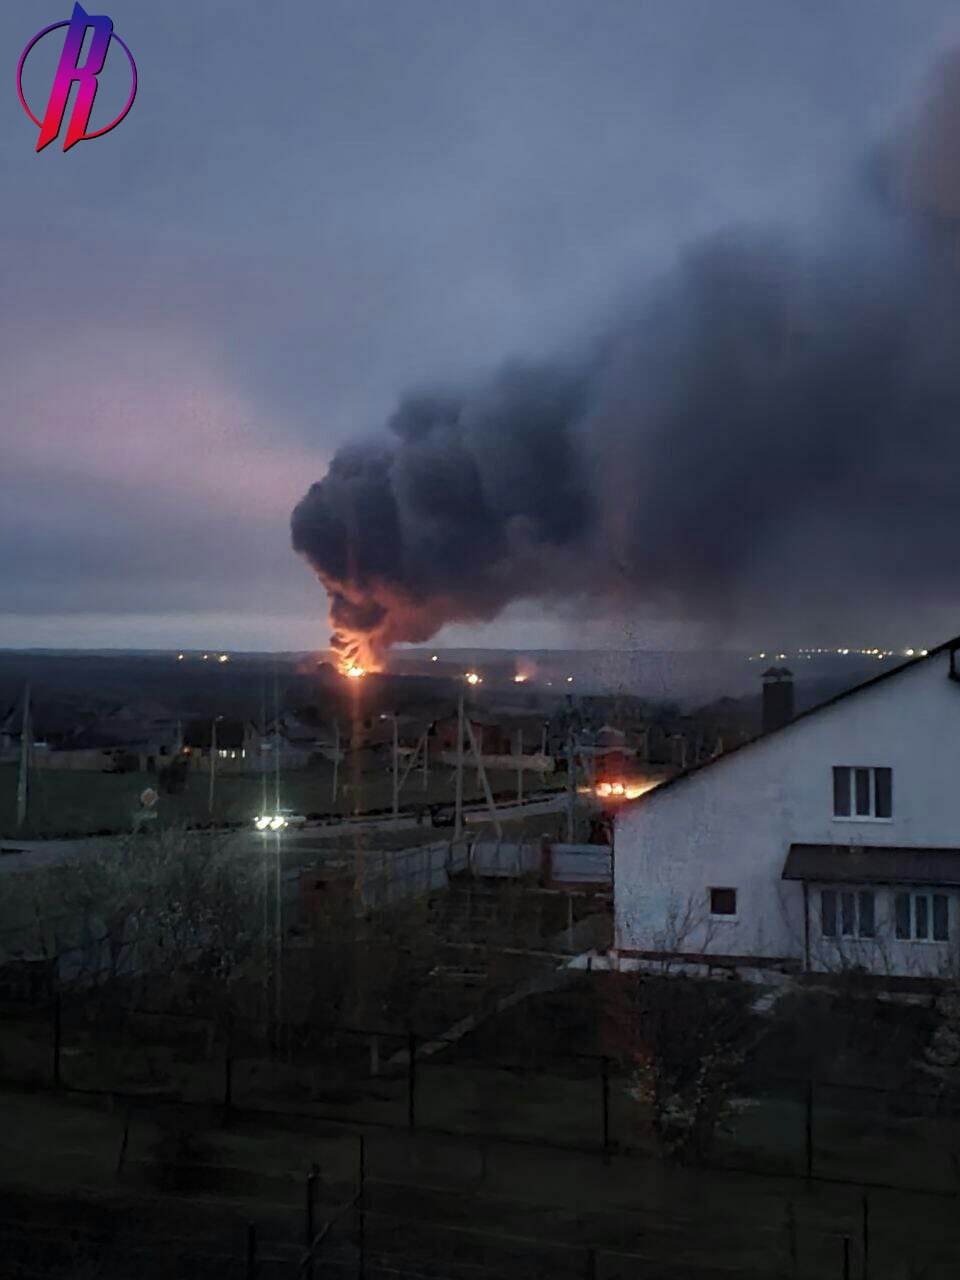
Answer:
(922, 916)
(848, 913)
(862, 791)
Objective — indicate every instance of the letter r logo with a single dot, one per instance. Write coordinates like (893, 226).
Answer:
(86, 77)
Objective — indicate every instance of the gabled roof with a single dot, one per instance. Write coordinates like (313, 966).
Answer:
(947, 646)
(199, 733)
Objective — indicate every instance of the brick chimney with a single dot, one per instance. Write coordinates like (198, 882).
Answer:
(777, 698)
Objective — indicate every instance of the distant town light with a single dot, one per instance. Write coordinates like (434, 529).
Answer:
(569, 679)
(206, 656)
(519, 678)
(224, 657)
(179, 657)
(435, 658)
(472, 678)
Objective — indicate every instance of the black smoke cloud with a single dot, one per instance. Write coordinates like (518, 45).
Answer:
(769, 436)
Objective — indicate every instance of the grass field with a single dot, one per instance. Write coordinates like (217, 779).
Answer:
(483, 1198)
(66, 803)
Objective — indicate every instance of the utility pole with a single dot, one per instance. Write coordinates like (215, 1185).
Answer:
(488, 794)
(519, 766)
(23, 781)
(336, 757)
(571, 787)
(426, 753)
(213, 762)
(396, 767)
(458, 802)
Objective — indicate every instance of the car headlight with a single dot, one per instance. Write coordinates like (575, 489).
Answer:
(277, 824)
(261, 823)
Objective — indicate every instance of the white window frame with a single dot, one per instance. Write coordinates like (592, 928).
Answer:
(929, 895)
(729, 888)
(857, 935)
(853, 816)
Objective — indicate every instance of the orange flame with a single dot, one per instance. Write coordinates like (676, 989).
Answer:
(355, 655)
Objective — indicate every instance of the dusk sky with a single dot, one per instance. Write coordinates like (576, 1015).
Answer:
(316, 207)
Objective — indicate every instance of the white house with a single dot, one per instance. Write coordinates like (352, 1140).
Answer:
(832, 841)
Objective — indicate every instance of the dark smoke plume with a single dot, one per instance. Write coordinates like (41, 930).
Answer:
(771, 434)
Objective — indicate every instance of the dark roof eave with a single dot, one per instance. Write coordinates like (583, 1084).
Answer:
(873, 864)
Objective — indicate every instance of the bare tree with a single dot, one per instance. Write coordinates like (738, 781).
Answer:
(683, 1041)
(170, 903)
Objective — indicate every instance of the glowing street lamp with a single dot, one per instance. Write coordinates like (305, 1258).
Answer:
(473, 679)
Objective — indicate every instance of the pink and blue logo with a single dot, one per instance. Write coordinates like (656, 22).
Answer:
(69, 72)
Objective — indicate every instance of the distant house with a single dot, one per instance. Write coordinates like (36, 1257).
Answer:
(489, 733)
(830, 842)
(126, 738)
(10, 734)
(237, 743)
(607, 755)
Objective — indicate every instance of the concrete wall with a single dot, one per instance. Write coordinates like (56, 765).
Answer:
(731, 825)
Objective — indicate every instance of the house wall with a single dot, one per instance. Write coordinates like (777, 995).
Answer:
(96, 760)
(731, 825)
(885, 954)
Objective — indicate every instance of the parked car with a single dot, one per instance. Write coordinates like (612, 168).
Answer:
(279, 820)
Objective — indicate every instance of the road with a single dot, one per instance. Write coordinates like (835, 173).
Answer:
(30, 855)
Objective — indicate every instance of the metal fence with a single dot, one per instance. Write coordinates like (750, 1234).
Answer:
(473, 1086)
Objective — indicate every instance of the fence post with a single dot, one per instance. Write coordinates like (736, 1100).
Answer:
(865, 1261)
(605, 1087)
(361, 1214)
(809, 1128)
(122, 1153)
(792, 1237)
(412, 1081)
(228, 1073)
(310, 1230)
(251, 1252)
(57, 1037)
